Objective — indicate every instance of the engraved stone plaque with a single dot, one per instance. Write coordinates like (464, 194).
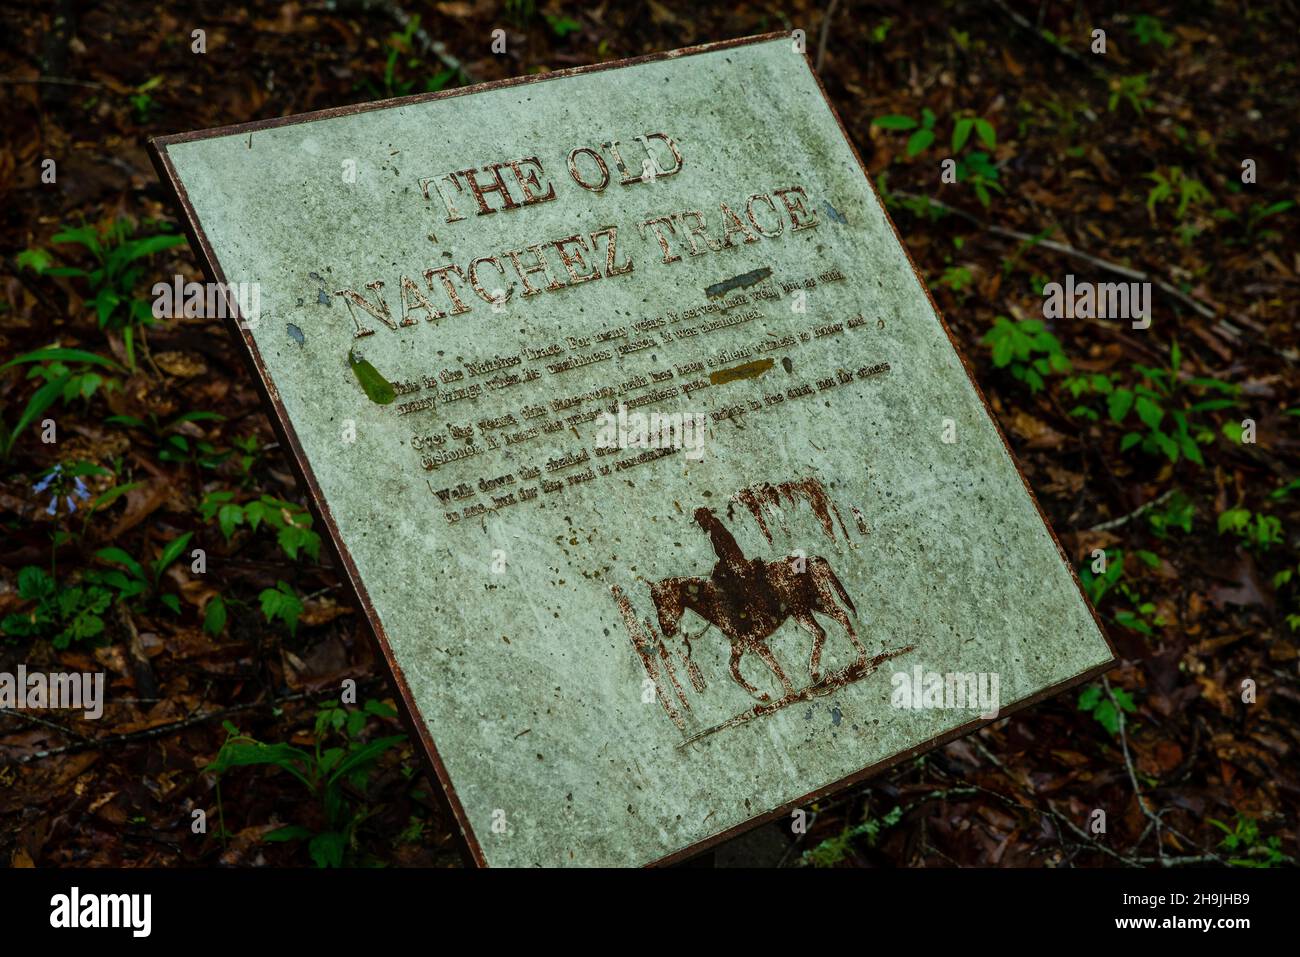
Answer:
(642, 444)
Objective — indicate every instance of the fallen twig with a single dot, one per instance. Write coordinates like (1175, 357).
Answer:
(825, 32)
(1201, 308)
(1132, 776)
(1152, 816)
(33, 719)
(162, 730)
(51, 80)
(1056, 45)
(1117, 522)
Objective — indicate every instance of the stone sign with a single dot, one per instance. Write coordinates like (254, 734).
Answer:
(647, 454)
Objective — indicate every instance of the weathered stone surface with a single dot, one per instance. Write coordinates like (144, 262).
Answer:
(535, 629)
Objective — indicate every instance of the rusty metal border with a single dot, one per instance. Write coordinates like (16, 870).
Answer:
(470, 845)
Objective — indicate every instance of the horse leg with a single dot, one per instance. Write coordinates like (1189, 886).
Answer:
(836, 612)
(769, 659)
(827, 605)
(809, 623)
(736, 652)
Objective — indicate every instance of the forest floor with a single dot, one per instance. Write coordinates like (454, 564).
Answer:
(1172, 450)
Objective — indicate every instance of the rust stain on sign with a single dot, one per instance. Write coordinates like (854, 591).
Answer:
(756, 497)
(737, 282)
(748, 600)
(642, 643)
(748, 370)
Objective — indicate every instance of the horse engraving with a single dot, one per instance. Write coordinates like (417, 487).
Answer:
(749, 599)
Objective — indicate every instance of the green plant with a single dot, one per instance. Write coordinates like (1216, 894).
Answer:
(399, 45)
(1106, 575)
(1170, 408)
(174, 445)
(1064, 117)
(977, 169)
(957, 278)
(1284, 490)
(1105, 708)
(1282, 582)
(1027, 349)
(562, 26)
(132, 580)
(413, 833)
(521, 11)
(1255, 850)
(118, 254)
(1177, 512)
(1187, 232)
(70, 610)
(249, 448)
(919, 140)
(142, 102)
(1175, 183)
(1259, 531)
(337, 777)
(64, 613)
(65, 374)
(1131, 90)
(835, 849)
(401, 55)
(1256, 213)
(1148, 28)
(281, 602)
(291, 522)
(964, 126)
(215, 613)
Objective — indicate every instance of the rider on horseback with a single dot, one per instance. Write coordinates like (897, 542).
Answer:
(738, 577)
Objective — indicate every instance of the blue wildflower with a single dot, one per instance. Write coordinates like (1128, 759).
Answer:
(50, 476)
